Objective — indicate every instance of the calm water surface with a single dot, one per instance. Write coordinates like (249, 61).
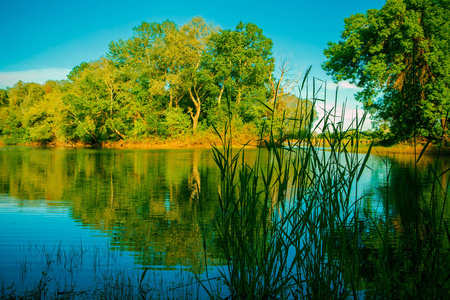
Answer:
(56, 204)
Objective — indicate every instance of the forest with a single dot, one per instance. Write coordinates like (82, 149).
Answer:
(170, 82)
(164, 82)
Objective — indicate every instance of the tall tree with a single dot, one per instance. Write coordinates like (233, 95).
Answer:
(146, 61)
(23, 95)
(194, 73)
(401, 54)
(242, 61)
(165, 62)
(285, 84)
(47, 118)
(94, 104)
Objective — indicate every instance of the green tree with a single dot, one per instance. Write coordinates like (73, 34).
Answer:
(148, 64)
(194, 72)
(164, 62)
(242, 62)
(176, 122)
(107, 104)
(21, 98)
(24, 95)
(13, 130)
(92, 103)
(401, 54)
(46, 119)
(3, 98)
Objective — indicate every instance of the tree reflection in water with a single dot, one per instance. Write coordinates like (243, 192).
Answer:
(147, 203)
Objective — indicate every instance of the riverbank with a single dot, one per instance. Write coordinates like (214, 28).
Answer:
(399, 148)
(198, 141)
(206, 141)
(405, 149)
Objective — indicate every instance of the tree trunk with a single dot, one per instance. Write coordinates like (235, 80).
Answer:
(444, 124)
(220, 95)
(197, 104)
(238, 98)
(195, 118)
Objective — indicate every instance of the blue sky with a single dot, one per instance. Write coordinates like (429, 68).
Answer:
(45, 39)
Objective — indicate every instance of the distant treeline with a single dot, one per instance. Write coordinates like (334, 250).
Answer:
(165, 81)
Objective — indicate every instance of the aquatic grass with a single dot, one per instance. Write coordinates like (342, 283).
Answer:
(77, 271)
(288, 223)
(423, 241)
(326, 268)
(244, 229)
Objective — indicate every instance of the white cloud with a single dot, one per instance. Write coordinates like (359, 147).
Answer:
(347, 85)
(38, 76)
(348, 116)
(343, 85)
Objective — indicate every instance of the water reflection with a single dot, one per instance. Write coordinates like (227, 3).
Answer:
(403, 227)
(146, 201)
(148, 204)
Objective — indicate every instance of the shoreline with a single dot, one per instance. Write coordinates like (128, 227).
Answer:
(208, 143)
(405, 149)
(147, 144)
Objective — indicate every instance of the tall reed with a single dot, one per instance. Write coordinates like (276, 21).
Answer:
(417, 266)
(288, 225)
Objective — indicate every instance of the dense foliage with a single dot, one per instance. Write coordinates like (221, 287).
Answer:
(165, 81)
(402, 53)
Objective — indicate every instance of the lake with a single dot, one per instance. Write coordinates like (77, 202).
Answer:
(70, 215)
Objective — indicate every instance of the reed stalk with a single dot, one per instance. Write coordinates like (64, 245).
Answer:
(288, 225)
(58, 267)
(290, 228)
